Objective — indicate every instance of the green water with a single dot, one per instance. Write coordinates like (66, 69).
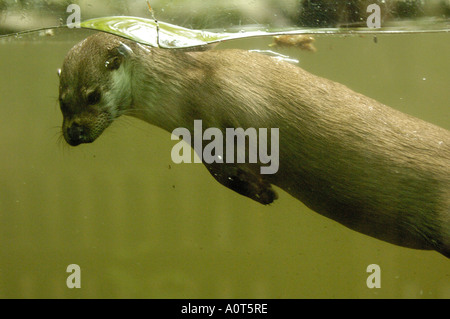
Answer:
(140, 226)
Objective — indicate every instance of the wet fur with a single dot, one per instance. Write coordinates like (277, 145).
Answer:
(346, 156)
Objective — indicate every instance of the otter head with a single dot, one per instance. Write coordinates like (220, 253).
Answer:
(94, 86)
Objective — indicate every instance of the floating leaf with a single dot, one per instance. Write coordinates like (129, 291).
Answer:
(170, 36)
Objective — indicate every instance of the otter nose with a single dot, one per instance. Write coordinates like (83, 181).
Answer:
(76, 134)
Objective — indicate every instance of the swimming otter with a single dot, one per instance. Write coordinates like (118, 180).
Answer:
(346, 156)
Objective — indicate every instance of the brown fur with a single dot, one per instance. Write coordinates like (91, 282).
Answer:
(346, 156)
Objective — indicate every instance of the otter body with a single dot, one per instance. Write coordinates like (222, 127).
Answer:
(346, 156)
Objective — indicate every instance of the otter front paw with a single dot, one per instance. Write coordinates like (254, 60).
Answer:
(244, 182)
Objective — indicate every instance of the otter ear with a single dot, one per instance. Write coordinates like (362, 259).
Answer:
(118, 54)
(113, 63)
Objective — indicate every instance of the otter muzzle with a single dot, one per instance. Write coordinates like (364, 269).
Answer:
(77, 134)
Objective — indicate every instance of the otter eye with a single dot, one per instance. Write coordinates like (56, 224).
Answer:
(93, 97)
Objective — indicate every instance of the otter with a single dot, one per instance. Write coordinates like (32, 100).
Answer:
(346, 156)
